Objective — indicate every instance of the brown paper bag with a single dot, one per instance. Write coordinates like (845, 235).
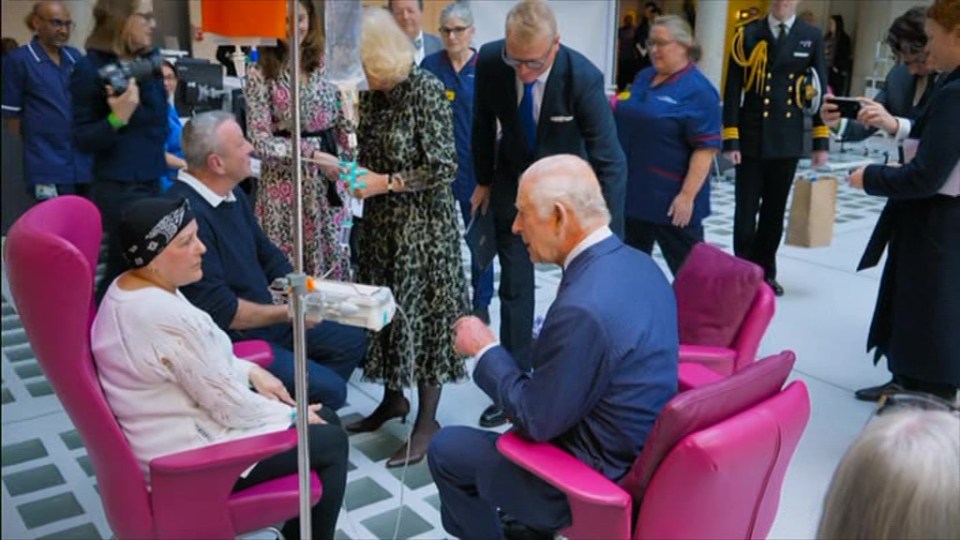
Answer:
(812, 212)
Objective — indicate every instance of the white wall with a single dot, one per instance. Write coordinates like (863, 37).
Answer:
(15, 11)
(589, 27)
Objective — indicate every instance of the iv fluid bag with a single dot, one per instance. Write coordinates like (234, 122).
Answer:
(342, 27)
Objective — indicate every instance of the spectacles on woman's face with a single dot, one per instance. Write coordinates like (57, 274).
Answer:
(659, 43)
(453, 30)
(915, 400)
(147, 17)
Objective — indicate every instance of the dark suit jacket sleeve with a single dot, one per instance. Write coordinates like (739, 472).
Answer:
(732, 93)
(855, 131)
(592, 110)
(484, 131)
(91, 130)
(821, 133)
(570, 377)
(936, 157)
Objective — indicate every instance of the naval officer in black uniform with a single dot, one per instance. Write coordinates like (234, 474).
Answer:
(771, 76)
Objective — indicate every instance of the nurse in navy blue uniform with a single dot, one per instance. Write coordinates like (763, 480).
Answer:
(456, 67)
(669, 129)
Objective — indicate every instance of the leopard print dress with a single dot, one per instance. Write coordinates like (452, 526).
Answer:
(410, 241)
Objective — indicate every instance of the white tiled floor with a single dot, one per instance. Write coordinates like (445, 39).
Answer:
(823, 317)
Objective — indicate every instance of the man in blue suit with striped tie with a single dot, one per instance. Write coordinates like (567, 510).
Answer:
(603, 367)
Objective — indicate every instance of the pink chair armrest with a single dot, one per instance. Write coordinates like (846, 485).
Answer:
(599, 507)
(190, 489)
(693, 375)
(254, 350)
(719, 359)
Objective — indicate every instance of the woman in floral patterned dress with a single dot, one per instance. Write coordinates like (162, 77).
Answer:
(410, 239)
(324, 129)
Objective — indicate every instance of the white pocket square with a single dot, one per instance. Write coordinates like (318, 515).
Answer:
(801, 54)
(561, 119)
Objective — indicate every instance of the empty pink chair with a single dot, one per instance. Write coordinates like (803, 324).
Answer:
(51, 253)
(712, 467)
(723, 309)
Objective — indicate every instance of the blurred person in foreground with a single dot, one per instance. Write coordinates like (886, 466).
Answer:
(456, 67)
(900, 478)
(170, 375)
(410, 239)
(917, 313)
(608, 350)
(669, 129)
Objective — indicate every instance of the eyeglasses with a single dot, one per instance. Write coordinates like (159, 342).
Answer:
(58, 23)
(456, 30)
(659, 43)
(915, 400)
(530, 64)
(148, 17)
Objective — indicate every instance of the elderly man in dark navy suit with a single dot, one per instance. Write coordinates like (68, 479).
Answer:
(547, 99)
(603, 367)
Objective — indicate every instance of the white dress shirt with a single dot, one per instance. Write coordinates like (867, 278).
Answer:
(202, 189)
(538, 88)
(775, 24)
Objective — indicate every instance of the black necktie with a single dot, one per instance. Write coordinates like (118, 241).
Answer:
(782, 36)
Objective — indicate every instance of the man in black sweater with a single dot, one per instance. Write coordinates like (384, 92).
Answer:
(240, 263)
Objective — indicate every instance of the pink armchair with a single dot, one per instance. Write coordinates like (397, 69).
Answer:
(51, 253)
(712, 467)
(723, 308)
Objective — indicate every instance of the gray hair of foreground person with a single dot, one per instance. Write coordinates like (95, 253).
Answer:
(199, 137)
(569, 181)
(899, 479)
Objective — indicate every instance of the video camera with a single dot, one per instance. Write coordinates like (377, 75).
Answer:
(118, 74)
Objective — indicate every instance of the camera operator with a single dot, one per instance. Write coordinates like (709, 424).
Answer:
(124, 128)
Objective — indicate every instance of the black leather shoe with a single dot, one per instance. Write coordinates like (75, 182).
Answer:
(777, 289)
(874, 393)
(492, 417)
(482, 313)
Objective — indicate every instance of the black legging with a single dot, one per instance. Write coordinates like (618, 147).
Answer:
(328, 457)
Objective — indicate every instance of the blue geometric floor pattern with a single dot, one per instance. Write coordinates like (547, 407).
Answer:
(49, 490)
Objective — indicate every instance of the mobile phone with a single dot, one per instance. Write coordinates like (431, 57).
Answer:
(849, 107)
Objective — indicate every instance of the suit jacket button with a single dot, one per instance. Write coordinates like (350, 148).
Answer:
(791, 76)
(766, 101)
(789, 114)
(767, 88)
(769, 75)
(766, 114)
(789, 102)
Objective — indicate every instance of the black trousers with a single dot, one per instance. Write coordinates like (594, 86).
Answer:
(112, 198)
(328, 457)
(762, 187)
(516, 281)
(675, 242)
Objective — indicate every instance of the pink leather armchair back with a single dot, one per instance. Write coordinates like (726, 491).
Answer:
(723, 309)
(51, 254)
(724, 481)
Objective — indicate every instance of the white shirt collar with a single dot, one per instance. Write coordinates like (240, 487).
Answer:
(202, 189)
(592, 239)
(775, 24)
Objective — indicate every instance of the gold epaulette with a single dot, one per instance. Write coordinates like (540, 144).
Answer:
(821, 132)
(755, 64)
(730, 133)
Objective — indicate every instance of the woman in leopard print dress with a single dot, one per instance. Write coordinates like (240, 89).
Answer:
(410, 238)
